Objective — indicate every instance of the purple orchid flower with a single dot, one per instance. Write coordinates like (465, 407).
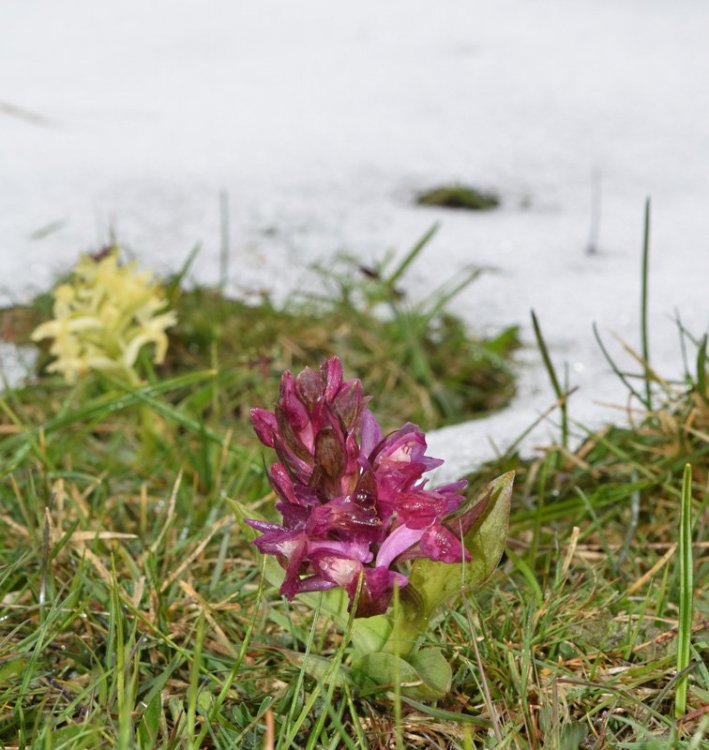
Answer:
(354, 502)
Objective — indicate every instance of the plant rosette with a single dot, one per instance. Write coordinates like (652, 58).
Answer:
(364, 539)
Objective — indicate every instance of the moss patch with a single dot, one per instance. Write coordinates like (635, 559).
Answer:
(459, 196)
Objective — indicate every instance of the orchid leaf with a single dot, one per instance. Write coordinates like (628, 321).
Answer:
(379, 672)
(438, 582)
(427, 676)
(320, 668)
(369, 634)
(435, 671)
(487, 539)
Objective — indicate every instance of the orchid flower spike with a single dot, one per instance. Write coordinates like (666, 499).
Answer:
(103, 317)
(355, 503)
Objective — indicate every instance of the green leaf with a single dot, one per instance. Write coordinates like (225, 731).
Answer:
(434, 669)
(378, 672)
(427, 676)
(438, 583)
(487, 540)
(320, 668)
(369, 634)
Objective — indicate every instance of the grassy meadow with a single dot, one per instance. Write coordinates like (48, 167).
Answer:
(134, 612)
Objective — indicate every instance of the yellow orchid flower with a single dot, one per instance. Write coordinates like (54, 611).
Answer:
(103, 318)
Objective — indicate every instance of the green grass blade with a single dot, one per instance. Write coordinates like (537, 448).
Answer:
(173, 288)
(411, 256)
(613, 365)
(702, 370)
(193, 691)
(554, 380)
(686, 604)
(644, 305)
(445, 296)
(327, 680)
(231, 677)
(301, 674)
(166, 410)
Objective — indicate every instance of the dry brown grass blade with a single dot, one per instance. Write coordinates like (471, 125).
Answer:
(80, 537)
(155, 546)
(654, 569)
(570, 551)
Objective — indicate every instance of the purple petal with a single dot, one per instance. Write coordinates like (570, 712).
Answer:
(345, 519)
(419, 509)
(314, 583)
(298, 468)
(348, 403)
(332, 371)
(342, 571)
(451, 494)
(309, 384)
(352, 452)
(454, 488)
(295, 517)
(265, 526)
(353, 550)
(265, 426)
(406, 445)
(400, 540)
(438, 543)
(371, 434)
(290, 548)
(377, 588)
(281, 542)
(282, 483)
(330, 452)
(390, 485)
(463, 521)
(377, 585)
(293, 418)
(378, 579)
(306, 495)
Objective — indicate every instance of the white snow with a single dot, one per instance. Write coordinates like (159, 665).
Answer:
(322, 120)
